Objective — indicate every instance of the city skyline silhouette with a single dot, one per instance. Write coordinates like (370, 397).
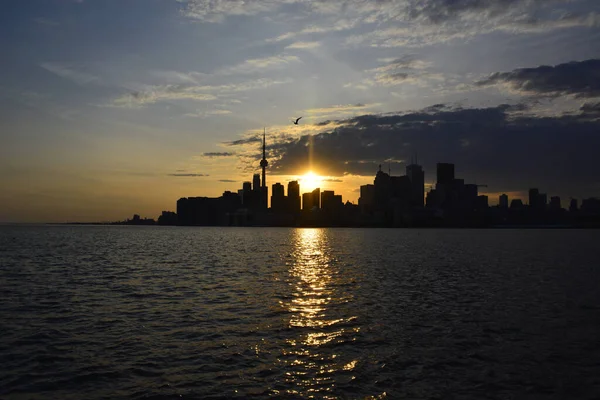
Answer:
(391, 201)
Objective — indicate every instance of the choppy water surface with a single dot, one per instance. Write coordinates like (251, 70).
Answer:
(149, 312)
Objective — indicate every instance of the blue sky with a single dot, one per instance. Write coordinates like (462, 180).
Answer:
(114, 107)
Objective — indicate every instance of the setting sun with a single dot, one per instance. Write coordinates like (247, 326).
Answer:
(310, 181)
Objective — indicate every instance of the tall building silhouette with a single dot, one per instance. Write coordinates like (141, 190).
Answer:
(278, 199)
(537, 200)
(503, 201)
(256, 182)
(573, 207)
(366, 200)
(330, 201)
(445, 173)
(294, 196)
(311, 200)
(417, 184)
(533, 197)
(555, 203)
(383, 190)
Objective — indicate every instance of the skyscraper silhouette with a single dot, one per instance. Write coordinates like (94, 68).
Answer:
(256, 182)
(294, 196)
(417, 184)
(503, 201)
(278, 200)
(445, 173)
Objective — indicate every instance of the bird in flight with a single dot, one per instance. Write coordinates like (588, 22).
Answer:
(296, 121)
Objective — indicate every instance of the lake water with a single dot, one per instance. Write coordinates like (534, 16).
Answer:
(217, 313)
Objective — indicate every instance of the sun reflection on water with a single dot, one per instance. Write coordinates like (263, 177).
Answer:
(313, 357)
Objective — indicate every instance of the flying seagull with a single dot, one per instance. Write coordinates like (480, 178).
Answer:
(296, 121)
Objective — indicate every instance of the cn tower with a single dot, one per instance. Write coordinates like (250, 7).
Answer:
(264, 162)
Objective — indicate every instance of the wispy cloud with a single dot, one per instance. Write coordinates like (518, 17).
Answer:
(154, 94)
(70, 73)
(341, 109)
(218, 154)
(203, 114)
(218, 10)
(326, 27)
(303, 45)
(396, 71)
(163, 93)
(239, 142)
(402, 23)
(186, 174)
(423, 31)
(177, 77)
(259, 65)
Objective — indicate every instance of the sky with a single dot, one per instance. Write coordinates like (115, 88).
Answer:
(111, 107)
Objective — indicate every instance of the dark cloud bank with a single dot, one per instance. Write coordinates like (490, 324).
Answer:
(578, 78)
(506, 146)
(499, 146)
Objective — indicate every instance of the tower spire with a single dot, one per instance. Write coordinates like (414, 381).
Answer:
(264, 162)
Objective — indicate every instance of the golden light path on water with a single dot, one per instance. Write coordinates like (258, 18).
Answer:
(311, 362)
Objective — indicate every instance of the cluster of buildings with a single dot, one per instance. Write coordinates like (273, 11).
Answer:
(390, 201)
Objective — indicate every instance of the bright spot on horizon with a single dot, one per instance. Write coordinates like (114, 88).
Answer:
(309, 182)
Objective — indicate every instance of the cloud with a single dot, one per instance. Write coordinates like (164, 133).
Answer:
(427, 22)
(176, 77)
(259, 64)
(154, 94)
(590, 108)
(577, 78)
(396, 71)
(240, 142)
(203, 114)
(187, 174)
(217, 10)
(70, 73)
(440, 11)
(217, 154)
(303, 45)
(227, 180)
(395, 23)
(408, 61)
(342, 108)
(501, 146)
(162, 93)
(326, 27)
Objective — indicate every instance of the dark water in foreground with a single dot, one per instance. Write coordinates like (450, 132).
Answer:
(150, 312)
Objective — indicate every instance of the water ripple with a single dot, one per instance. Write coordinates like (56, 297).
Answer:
(149, 312)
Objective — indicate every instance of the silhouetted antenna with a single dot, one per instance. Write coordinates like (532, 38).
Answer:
(389, 169)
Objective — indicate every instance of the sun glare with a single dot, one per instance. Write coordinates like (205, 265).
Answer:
(309, 182)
